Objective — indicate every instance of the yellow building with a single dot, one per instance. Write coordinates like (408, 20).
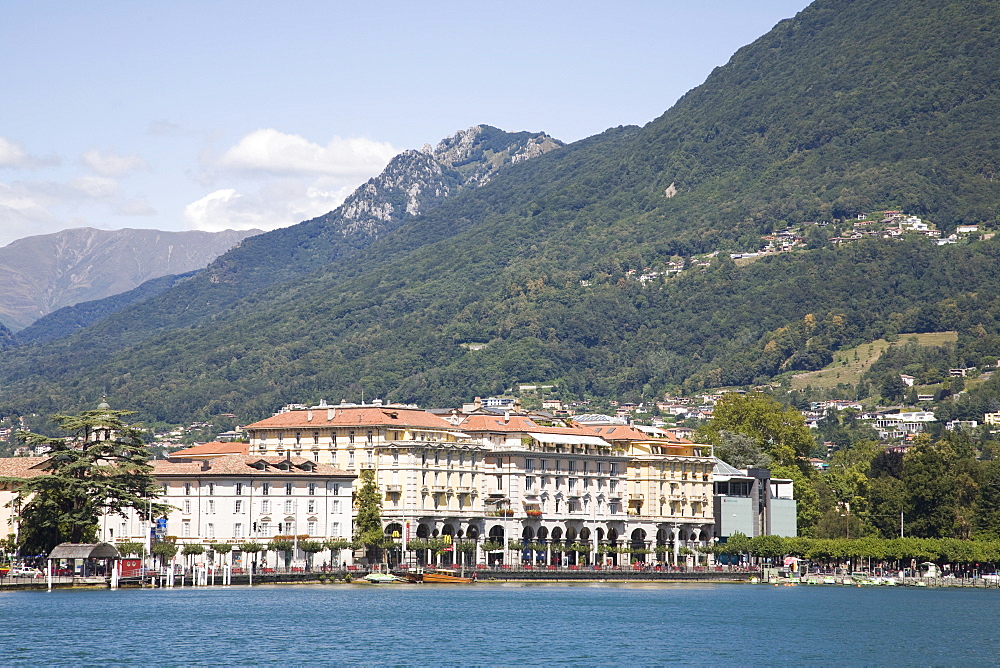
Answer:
(669, 489)
(429, 472)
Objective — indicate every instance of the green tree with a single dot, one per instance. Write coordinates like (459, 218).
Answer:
(222, 549)
(368, 524)
(336, 545)
(779, 431)
(893, 388)
(740, 451)
(931, 492)
(311, 547)
(132, 547)
(165, 550)
(101, 468)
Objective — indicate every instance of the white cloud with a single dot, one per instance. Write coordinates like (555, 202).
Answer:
(13, 154)
(93, 187)
(111, 164)
(277, 204)
(277, 153)
(272, 179)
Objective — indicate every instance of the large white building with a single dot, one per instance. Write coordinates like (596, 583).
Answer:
(499, 476)
(245, 498)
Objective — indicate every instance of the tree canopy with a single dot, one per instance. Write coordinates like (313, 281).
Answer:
(101, 467)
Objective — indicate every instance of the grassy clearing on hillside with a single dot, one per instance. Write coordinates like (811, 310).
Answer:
(849, 365)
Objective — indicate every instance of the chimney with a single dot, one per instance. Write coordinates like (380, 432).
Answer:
(329, 414)
(205, 465)
(309, 415)
(506, 417)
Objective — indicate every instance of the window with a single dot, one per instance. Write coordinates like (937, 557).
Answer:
(350, 437)
(541, 466)
(211, 507)
(529, 483)
(350, 458)
(265, 488)
(265, 506)
(288, 488)
(572, 466)
(371, 457)
(336, 506)
(336, 490)
(239, 489)
(186, 528)
(211, 489)
(311, 506)
(613, 486)
(395, 456)
(335, 529)
(210, 530)
(312, 489)
(238, 530)
(613, 469)
(124, 531)
(187, 506)
(288, 506)
(238, 507)
(311, 528)
(187, 489)
(316, 456)
(265, 528)
(529, 465)
(370, 437)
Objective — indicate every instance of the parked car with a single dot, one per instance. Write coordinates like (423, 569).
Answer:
(25, 572)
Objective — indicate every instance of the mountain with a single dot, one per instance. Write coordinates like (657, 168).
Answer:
(849, 107)
(70, 319)
(414, 182)
(42, 273)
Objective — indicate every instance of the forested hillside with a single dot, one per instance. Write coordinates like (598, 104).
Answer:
(851, 106)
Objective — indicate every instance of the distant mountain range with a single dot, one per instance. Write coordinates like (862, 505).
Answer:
(429, 285)
(43, 273)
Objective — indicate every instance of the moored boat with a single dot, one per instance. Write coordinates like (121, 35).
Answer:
(438, 576)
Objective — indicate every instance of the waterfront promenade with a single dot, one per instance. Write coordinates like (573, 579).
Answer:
(482, 574)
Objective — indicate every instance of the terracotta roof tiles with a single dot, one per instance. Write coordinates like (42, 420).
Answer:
(213, 448)
(340, 416)
(244, 465)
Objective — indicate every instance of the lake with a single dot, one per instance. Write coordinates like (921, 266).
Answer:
(582, 624)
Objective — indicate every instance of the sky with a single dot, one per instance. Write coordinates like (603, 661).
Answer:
(212, 115)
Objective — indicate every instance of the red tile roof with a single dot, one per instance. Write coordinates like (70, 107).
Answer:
(354, 416)
(244, 465)
(22, 467)
(515, 423)
(213, 448)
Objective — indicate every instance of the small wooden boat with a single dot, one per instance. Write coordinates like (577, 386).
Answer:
(438, 576)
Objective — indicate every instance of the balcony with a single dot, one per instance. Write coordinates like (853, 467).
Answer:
(393, 489)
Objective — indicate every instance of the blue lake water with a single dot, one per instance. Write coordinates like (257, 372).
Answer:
(581, 624)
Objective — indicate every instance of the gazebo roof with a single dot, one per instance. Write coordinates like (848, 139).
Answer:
(84, 551)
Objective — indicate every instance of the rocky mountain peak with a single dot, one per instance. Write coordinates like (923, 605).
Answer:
(414, 181)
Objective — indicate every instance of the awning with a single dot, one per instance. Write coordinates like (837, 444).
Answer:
(569, 439)
(84, 551)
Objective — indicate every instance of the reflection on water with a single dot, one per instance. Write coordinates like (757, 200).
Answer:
(524, 623)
